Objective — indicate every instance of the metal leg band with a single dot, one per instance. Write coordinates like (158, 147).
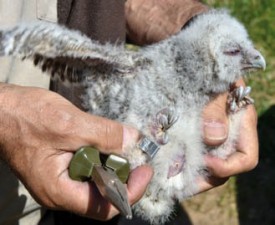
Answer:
(148, 146)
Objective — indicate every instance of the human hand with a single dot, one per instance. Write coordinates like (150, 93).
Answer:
(215, 133)
(149, 21)
(39, 133)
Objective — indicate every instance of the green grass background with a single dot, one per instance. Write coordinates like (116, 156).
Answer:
(249, 197)
(259, 19)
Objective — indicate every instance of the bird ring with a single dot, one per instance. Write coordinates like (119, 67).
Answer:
(148, 146)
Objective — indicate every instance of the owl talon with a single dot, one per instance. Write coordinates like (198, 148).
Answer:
(164, 119)
(239, 98)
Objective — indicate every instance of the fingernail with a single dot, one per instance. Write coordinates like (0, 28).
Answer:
(214, 130)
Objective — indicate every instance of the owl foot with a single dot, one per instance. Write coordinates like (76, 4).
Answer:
(239, 98)
(164, 119)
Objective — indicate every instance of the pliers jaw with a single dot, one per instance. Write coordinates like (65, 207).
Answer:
(108, 173)
(111, 188)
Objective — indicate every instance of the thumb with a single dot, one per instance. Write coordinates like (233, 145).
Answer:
(215, 121)
(107, 135)
(138, 181)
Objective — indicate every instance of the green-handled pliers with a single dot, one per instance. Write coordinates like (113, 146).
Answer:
(108, 172)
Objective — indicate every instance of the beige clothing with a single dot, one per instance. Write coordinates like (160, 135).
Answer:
(12, 12)
(16, 204)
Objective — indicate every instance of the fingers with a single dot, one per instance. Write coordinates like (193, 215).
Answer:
(138, 181)
(209, 183)
(246, 156)
(215, 121)
(83, 197)
(162, 24)
(107, 135)
(102, 133)
(244, 159)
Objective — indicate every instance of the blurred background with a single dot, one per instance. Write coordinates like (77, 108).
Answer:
(248, 199)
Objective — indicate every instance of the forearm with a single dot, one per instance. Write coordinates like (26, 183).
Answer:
(150, 21)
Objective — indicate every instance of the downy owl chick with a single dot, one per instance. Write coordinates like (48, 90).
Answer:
(160, 90)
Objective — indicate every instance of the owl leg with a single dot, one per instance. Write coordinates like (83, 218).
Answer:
(163, 120)
(239, 98)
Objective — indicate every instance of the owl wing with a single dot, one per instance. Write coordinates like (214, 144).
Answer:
(62, 52)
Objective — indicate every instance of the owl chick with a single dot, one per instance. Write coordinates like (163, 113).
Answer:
(160, 90)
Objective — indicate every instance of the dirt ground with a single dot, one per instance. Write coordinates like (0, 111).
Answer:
(215, 207)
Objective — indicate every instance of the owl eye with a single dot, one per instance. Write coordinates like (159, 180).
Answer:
(233, 52)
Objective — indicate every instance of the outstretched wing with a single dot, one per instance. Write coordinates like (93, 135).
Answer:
(63, 52)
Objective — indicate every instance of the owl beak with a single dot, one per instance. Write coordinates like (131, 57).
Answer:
(254, 61)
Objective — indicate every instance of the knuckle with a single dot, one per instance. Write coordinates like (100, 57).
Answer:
(249, 164)
(112, 134)
(253, 116)
(253, 164)
(47, 201)
(223, 174)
